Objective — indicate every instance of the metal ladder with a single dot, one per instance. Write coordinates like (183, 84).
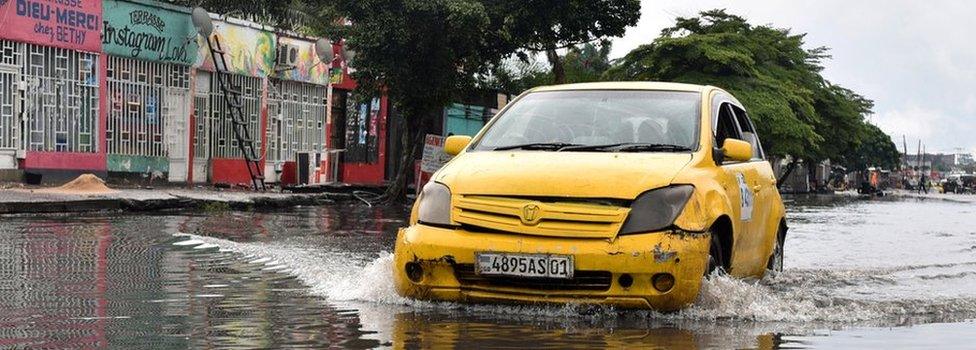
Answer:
(234, 99)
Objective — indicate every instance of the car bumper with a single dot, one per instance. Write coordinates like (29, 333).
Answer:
(446, 258)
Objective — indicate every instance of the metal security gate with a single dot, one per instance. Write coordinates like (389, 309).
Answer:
(223, 143)
(148, 108)
(301, 112)
(11, 61)
(61, 99)
(176, 111)
(201, 135)
(8, 108)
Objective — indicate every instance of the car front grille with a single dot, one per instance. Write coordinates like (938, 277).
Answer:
(546, 218)
(582, 280)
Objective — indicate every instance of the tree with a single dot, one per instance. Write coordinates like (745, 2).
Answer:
(582, 63)
(587, 62)
(800, 115)
(422, 53)
(547, 26)
(281, 14)
(515, 75)
(874, 149)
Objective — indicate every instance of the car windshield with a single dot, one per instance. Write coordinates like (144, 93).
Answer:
(597, 120)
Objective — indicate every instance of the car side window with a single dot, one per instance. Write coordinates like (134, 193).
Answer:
(748, 132)
(726, 125)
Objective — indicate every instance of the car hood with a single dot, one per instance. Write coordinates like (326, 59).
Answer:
(560, 174)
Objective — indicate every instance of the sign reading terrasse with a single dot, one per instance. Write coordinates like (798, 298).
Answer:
(70, 24)
(149, 33)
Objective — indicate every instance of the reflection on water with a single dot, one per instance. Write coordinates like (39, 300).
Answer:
(319, 277)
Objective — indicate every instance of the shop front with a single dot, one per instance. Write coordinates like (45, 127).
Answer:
(51, 71)
(151, 48)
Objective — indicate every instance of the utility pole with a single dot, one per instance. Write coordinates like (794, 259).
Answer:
(904, 144)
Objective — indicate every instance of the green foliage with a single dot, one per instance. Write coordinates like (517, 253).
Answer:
(549, 25)
(515, 75)
(294, 15)
(540, 25)
(583, 63)
(587, 62)
(798, 113)
(874, 148)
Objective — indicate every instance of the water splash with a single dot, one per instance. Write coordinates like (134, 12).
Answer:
(794, 296)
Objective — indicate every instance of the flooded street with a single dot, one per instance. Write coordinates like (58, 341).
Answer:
(892, 273)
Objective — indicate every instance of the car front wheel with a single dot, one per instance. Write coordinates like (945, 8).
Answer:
(776, 260)
(715, 255)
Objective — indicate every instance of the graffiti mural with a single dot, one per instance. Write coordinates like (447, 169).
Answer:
(250, 51)
(309, 67)
(155, 33)
(70, 24)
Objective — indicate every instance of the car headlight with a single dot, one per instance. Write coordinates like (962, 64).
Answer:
(435, 204)
(656, 209)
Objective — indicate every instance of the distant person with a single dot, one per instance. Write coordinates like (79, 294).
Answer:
(923, 184)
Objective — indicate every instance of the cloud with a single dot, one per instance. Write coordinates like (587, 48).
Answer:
(914, 59)
(914, 122)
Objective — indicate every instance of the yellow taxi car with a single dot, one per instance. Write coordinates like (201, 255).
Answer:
(622, 194)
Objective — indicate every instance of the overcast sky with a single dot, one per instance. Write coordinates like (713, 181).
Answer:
(915, 59)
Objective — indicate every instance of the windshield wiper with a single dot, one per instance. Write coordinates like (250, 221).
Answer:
(548, 146)
(629, 147)
(591, 147)
(651, 147)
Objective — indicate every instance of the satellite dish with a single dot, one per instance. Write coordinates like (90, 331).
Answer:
(201, 20)
(323, 48)
(348, 55)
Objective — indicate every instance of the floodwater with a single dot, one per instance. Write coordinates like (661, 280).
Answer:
(859, 274)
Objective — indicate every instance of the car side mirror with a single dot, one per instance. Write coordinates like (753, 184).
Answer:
(455, 144)
(737, 150)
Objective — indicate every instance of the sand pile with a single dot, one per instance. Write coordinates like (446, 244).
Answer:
(84, 184)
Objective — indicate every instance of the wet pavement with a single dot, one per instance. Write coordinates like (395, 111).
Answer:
(893, 273)
(20, 200)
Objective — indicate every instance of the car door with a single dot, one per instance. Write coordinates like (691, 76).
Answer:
(764, 187)
(741, 181)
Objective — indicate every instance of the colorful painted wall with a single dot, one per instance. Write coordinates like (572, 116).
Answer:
(250, 51)
(309, 67)
(149, 31)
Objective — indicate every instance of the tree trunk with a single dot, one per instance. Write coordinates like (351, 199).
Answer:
(558, 72)
(786, 174)
(411, 139)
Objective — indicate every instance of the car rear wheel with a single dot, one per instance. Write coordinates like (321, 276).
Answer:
(776, 260)
(715, 255)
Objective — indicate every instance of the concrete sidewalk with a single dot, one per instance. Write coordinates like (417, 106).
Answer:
(19, 200)
(952, 197)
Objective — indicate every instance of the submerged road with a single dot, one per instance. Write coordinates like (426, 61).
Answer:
(897, 273)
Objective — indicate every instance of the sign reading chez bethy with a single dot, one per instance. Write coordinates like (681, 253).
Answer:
(157, 33)
(71, 24)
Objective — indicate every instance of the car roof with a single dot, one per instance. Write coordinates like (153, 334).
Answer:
(626, 85)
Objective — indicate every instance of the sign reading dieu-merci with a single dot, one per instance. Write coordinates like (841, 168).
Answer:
(71, 24)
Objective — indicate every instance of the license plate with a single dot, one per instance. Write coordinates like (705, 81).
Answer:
(525, 265)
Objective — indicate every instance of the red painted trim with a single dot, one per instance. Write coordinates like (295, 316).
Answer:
(230, 171)
(65, 161)
(192, 128)
(289, 173)
(101, 133)
(371, 173)
(347, 82)
(265, 83)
